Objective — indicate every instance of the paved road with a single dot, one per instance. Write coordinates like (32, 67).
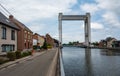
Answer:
(33, 67)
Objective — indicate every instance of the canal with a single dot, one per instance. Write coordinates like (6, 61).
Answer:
(90, 62)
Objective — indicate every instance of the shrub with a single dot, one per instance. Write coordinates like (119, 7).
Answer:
(30, 52)
(3, 60)
(26, 53)
(18, 54)
(11, 56)
(49, 47)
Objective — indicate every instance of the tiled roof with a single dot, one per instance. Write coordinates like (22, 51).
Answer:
(4, 20)
(24, 26)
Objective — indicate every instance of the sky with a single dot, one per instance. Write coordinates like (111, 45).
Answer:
(41, 16)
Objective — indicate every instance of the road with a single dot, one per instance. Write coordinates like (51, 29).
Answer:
(33, 67)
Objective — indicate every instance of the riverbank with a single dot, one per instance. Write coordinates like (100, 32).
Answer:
(109, 48)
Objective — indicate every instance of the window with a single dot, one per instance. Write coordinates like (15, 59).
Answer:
(12, 34)
(3, 32)
(25, 45)
(8, 47)
(25, 35)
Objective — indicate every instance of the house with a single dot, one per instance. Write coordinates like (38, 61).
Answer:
(110, 41)
(35, 39)
(25, 40)
(116, 44)
(41, 40)
(8, 34)
(56, 43)
(103, 43)
(49, 40)
(38, 40)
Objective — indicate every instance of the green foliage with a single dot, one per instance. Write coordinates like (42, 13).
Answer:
(18, 54)
(11, 56)
(44, 45)
(73, 43)
(35, 47)
(30, 52)
(95, 43)
(25, 54)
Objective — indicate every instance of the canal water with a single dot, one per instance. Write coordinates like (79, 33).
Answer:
(90, 62)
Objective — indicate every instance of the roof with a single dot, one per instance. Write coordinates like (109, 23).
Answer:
(17, 22)
(4, 20)
(24, 26)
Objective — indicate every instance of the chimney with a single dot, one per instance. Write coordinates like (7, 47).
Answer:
(11, 17)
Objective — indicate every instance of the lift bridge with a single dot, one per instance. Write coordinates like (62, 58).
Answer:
(86, 19)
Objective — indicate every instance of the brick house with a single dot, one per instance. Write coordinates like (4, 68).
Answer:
(49, 40)
(25, 40)
(8, 34)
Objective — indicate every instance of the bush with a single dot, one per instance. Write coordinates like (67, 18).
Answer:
(26, 53)
(11, 56)
(30, 52)
(3, 60)
(49, 47)
(18, 54)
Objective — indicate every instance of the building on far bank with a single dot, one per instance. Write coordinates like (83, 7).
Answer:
(110, 41)
(103, 43)
(25, 40)
(8, 34)
(116, 44)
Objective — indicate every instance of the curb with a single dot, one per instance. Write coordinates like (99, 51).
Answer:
(53, 65)
(19, 60)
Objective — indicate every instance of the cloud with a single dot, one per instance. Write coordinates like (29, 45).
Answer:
(37, 27)
(26, 10)
(92, 8)
(111, 9)
(95, 26)
(111, 19)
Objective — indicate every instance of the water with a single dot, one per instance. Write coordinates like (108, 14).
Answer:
(90, 62)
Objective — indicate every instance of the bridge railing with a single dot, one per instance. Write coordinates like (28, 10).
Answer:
(62, 73)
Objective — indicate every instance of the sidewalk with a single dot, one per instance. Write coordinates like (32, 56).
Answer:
(44, 64)
(21, 60)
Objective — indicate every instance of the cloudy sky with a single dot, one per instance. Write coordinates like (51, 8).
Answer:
(41, 16)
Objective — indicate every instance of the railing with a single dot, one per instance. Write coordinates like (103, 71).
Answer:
(62, 73)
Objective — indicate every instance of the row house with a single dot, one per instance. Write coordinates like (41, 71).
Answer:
(38, 40)
(24, 40)
(49, 40)
(8, 34)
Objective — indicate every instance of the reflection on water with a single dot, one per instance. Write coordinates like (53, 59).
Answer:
(91, 62)
(88, 62)
(110, 52)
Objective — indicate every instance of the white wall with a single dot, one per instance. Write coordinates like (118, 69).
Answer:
(8, 37)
